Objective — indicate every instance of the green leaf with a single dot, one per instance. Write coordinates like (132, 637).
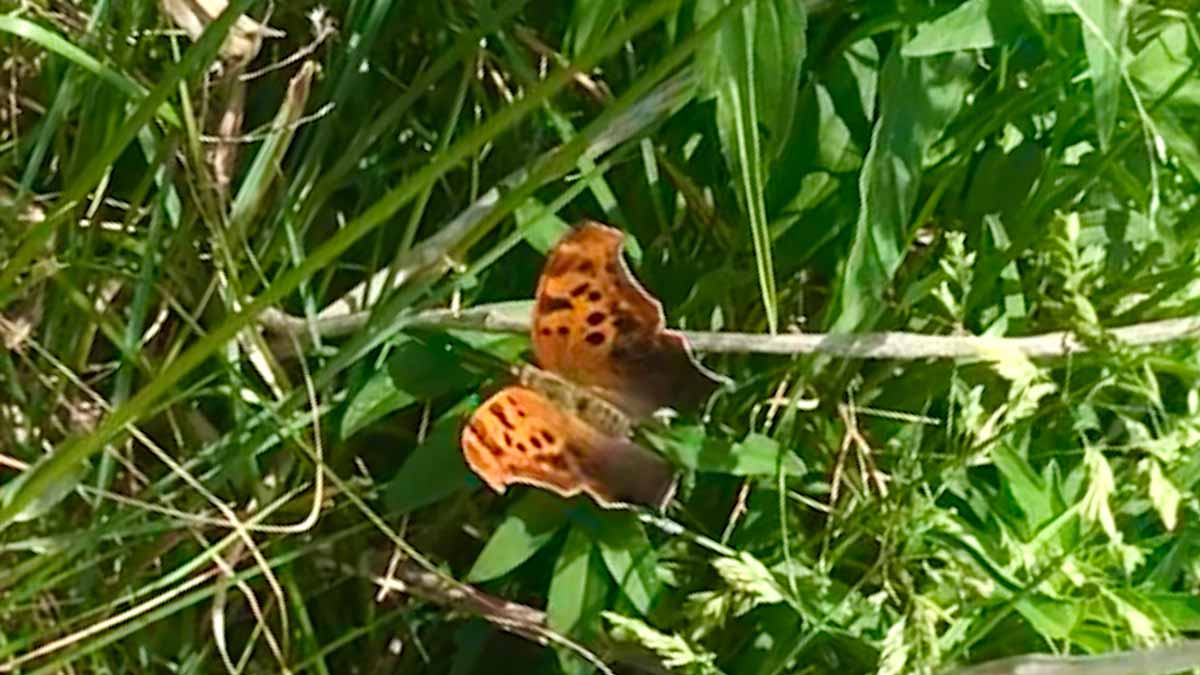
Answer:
(1103, 25)
(378, 397)
(1052, 617)
(434, 470)
(49, 496)
(779, 49)
(529, 525)
(577, 593)
(964, 27)
(1180, 610)
(919, 98)
(630, 558)
(543, 232)
(1164, 495)
(1163, 61)
(754, 71)
(1025, 485)
(428, 370)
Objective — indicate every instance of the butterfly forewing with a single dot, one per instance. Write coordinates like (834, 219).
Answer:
(595, 325)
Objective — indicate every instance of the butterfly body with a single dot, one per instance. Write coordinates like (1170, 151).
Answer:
(606, 360)
(589, 407)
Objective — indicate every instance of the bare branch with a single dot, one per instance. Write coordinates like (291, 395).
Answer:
(513, 317)
(514, 617)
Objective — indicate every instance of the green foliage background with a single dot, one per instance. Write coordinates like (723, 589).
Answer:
(989, 167)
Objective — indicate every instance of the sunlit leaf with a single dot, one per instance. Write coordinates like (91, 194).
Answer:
(630, 559)
(919, 97)
(529, 525)
(1103, 26)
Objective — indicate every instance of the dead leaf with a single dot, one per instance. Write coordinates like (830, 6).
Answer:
(244, 39)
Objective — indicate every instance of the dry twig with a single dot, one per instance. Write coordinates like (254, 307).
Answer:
(513, 318)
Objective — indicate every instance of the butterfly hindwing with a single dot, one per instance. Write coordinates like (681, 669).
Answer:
(520, 436)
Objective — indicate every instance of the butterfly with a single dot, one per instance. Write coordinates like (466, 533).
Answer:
(606, 362)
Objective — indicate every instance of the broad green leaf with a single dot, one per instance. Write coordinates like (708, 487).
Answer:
(964, 27)
(1017, 169)
(779, 49)
(775, 628)
(577, 593)
(529, 525)
(1096, 507)
(1162, 62)
(1164, 495)
(1103, 25)
(755, 63)
(919, 98)
(1180, 138)
(630, 558)
(1181, 610)
(754, 71)
(428, 370)
(1024, 484)
(434, 470)
(378, 397)
(1054, 618)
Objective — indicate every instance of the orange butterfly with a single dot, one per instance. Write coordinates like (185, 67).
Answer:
(609, 361)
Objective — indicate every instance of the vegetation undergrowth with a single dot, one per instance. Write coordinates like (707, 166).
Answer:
(230, 399)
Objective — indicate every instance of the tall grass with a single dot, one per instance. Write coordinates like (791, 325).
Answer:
(229, 405)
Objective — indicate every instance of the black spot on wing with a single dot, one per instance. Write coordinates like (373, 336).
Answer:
(499, 415)
(596, 339)
(549, 304)
(580, 289)
(485, 440)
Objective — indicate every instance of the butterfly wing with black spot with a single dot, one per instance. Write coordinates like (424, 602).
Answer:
(520, 436)
(594, 324)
